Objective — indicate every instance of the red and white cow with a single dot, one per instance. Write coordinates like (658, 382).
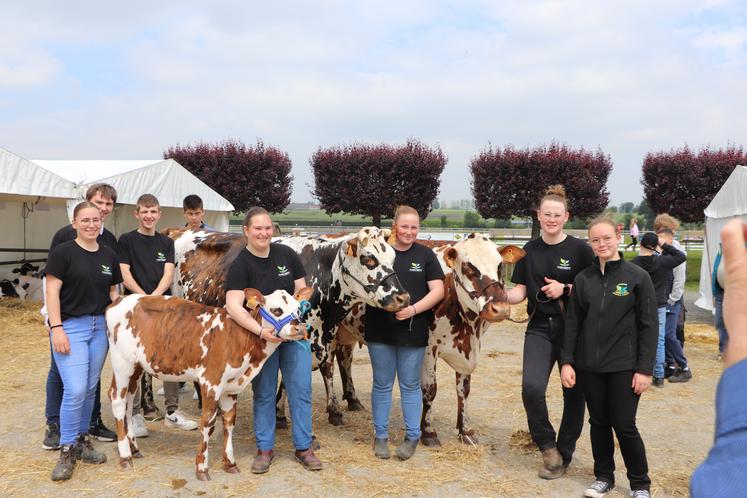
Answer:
(178, 340)
(345, 271)
(474, 298)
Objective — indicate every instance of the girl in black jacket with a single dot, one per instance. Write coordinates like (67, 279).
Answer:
(611, 331)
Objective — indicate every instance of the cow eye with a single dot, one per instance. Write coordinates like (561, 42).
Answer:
(368, 261)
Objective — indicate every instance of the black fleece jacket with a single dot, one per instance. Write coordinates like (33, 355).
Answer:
(611, 324)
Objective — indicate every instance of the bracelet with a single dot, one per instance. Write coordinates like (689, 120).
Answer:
(55, 326)
(414, 310)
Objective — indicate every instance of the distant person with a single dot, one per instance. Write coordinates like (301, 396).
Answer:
(608, 349)
(194, 213)
(722, 474)
(545, 278)
(81, 281)
(633, 234)
(103, 196)
(659, 267)
(662, 221)
(619, 232)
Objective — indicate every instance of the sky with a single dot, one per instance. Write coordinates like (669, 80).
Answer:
(126, 80)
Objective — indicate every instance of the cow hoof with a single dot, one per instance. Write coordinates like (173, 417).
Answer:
(232, 469)
(126, 463)
(202, 475)
(137, 454)
(355, 406)
(470, 439)
(335, 419)
(315, 444)
(281, 423)
(430, 441)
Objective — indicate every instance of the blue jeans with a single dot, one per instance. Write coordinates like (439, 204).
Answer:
(406, 363)
(659, 364)
(54, 395)
(294, 361)
(674, 353)
(723, 335)
(80, 371)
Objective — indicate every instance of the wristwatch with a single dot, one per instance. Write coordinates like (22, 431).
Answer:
(567, 289)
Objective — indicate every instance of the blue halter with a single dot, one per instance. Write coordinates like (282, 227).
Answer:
(303, 308)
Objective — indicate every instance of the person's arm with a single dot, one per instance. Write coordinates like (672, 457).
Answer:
(434, 296)
(239, 314)
(113, 293)
(60, 342)
(574, 318)
(670, 255)
(517, 294)
(166, 280)
(678, 284)
(129, 280)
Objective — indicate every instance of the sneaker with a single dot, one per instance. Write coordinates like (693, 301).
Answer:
(138, 425)
(101, 432)
(308, 459)
(262, 461)
(598, 489)
(657, 382)
(640, 493)
(52, 437)
(681, 375)
(85, 452)
(381, 448)
(669, 370)
(65, 465)
(180, 421)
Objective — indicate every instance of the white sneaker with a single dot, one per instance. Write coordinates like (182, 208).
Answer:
(180, 421)
(598, 489)
(138, 425)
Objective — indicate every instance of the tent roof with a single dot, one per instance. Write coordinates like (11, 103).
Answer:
(19, 176)
(730, 200)
(166, 179)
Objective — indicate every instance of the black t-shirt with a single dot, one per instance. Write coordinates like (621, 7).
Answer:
(414, 268)
(147, 256)
(277, 271)
(86, 278)
(561, 262)
(66, 233)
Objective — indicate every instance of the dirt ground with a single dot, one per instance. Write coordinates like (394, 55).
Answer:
(676, 423)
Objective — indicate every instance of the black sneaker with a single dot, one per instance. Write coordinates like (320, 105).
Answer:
(65, 465)
(598, 489)
(657, 382)
(669, 370)
(101, 432)
(681, 375)
(52, 437)
(84, 451)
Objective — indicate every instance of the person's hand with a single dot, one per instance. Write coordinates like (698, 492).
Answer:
(60, 342)
(640, 383)
(567, 376)
(662, 241)
(268, 334)
(553, 289)
(733, 237)
(405, 313)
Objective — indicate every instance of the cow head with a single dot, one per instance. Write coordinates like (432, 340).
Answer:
(476, 266)
(366, 269)
(279, 310)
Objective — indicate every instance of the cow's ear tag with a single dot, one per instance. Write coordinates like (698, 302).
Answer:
(511, 254)
(450, 257)
(254, 298)
(352, 248)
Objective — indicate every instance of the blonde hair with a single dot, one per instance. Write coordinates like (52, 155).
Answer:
(603, 219)
(665, 220)
(405, 209)
(83, 205)
(555, 193)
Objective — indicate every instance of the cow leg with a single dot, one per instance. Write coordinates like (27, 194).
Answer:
(207, 424)
(134, 381)
(327, 369)
(345, 362)
(228, 407)
(429, 437)
(118, 394)
(281, 421)
(466, 432)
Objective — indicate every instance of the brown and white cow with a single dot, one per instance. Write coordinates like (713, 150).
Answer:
(345, 271)
(474, 298)
(178, 340)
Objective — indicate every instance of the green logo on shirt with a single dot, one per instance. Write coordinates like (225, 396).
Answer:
(621, 290)
(565, 264)
(283, 271)
(160, 257)
(106, 270)
(415, 267)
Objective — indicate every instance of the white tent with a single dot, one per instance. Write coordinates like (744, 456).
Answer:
(37, 197)
(730, 202)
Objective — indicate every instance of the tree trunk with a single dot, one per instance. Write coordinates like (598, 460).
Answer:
(377, 220)
(535, 227)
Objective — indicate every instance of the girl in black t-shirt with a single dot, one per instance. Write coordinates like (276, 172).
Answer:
(81, 282)
(268, 267)
(396, 341)
(544, 277)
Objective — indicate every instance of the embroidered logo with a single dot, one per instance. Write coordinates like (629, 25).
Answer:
(160, 257)
(106, 270)
(621, 290)
(283, 271)
(565, 264)
(415, 267)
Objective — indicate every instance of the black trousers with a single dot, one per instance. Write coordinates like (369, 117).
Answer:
(613, 405)
(542, 342)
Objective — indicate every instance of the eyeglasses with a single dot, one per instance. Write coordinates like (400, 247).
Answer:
(607, 240)
(90, 221)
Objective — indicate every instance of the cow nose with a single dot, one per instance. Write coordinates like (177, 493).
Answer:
(402, 300)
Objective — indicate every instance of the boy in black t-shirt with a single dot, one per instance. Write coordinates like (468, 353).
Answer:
(147, 262)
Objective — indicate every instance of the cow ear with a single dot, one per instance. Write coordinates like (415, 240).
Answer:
(511, 254)
(352, 248)
(450, 257)
(391, 235)
(254, 298)
(304, 294)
